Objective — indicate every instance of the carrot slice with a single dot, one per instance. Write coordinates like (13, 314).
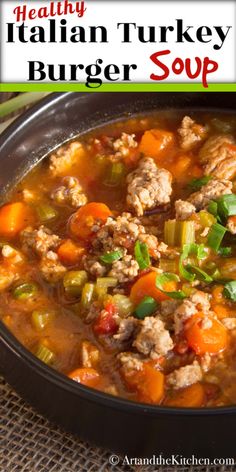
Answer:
(70, 253)
(148, 383)
(155, 141)
(146, 286)
(86, 376)
(189, 397)
(14, 217)
(83, 220)
(212, 340)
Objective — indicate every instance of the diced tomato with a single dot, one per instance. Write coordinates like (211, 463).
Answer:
(105, 322)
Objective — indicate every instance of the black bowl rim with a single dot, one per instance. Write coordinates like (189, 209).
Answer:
(49, 373)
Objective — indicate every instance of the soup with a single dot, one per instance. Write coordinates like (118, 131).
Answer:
(118, 260)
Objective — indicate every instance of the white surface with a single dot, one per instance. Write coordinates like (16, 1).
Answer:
(15, 57)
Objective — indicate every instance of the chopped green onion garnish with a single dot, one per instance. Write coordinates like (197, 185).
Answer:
(115, 174)
(230, 290)
(142, 255)
(225, 251)
(162, 279)
(46, 212)
(196, 184)
(110, 257)
(198, 250)
(146, 307)
(74, 280)
(215, 236)
(199, 273)
(44, 354)
(213, 208)
(227, 205)
(41, 318)
(25, 291)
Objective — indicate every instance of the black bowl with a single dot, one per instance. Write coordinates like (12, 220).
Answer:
(131, 428)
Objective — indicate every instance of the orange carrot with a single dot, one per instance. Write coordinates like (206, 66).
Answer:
(189, 397)
(222, 311)
(212, 339)
(217, 293)
(180, 167)
(14, 217)
(83, 220)
(148, 383)
(146, 286)
(86, 376)
(155, 141)
(70, 253)
(196, 171)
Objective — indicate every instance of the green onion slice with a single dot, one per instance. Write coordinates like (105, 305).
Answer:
(196, 184)
(230, 290)
(146, 307)
(199, 273)
(199, 251)
(142, 255)
(213, 208)
(227, 205)
(110, 257)
(215, 236)
(225, 251)
(25, 291)
(162, 279)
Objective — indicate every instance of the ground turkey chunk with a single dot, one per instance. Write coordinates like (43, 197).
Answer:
(231, 225)
(127, 328)
(123, 144)
(70, 193)
(66, 158)
(40, 240)
(185, 376)
(184, 209)
(190, 133)
(92, 265)
(124, 270)
(212, 190)
(198, 301)
(153, 339)
(148, 186)
(130, 362)
(51, 268)
(218, 155)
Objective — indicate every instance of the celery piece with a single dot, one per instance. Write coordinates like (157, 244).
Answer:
(44, 354)
(87, 295)
(124, 305)
(206, 218)
(170, 231)
(25, 291)
(106, 282)
(187, 232)
(74, 280)
(41, 318)
(46, 212)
